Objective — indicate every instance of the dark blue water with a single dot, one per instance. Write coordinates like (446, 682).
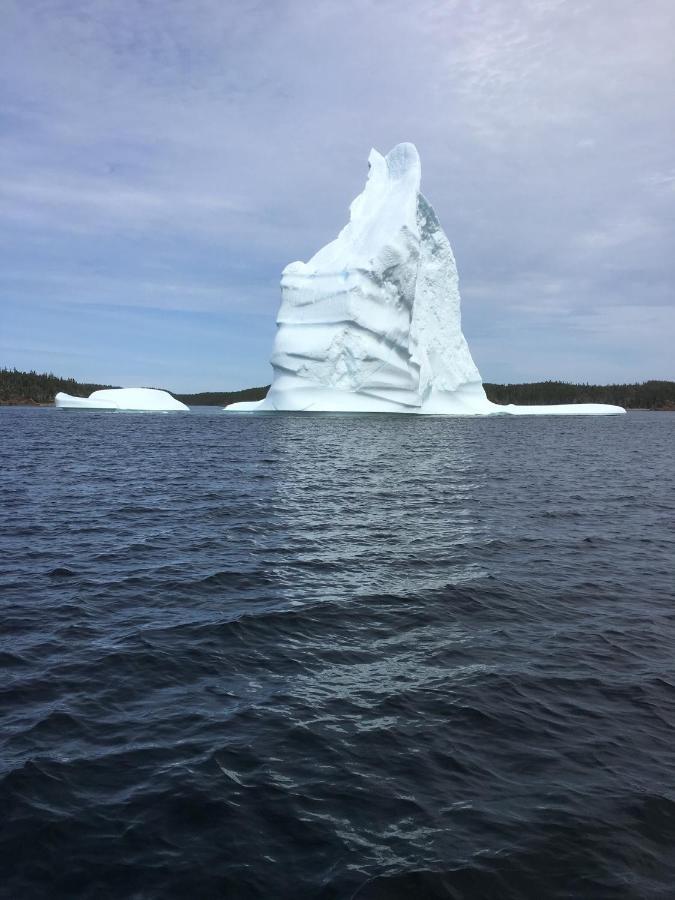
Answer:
(333, 657)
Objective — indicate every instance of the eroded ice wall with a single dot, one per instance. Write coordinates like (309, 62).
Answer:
(372, 322)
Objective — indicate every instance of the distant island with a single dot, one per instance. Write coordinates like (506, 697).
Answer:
(38, 389)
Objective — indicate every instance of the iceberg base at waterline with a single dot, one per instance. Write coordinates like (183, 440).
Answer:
(372, 322)
(123, 399)
(469, 400)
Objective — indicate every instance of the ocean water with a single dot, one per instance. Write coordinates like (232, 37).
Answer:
(336, 656)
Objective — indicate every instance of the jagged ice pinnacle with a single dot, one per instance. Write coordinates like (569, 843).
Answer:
(372, 323)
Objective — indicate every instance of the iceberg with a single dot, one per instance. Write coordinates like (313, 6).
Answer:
(372, 322)
(139, 399)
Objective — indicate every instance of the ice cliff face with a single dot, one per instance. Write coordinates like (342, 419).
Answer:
(372, 323)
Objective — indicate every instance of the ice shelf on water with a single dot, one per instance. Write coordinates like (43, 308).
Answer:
(138, 399)
(372, 323)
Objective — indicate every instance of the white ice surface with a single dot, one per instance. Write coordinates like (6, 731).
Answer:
(139, 399)
(372, 323)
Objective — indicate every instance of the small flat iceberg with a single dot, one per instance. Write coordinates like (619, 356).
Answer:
(139, 399)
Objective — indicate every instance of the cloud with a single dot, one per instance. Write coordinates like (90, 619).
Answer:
(179, 155)
(617, 233)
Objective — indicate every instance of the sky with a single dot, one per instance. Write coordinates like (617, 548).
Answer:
(161, 161)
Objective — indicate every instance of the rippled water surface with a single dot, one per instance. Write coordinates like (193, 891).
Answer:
(336, 656)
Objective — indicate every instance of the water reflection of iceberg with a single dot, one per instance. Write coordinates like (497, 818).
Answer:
(361, 506)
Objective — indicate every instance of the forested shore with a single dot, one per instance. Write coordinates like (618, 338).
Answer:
(36, 389)
(643, 395)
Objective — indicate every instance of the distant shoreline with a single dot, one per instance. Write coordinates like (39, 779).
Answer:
(29, 404)
(38, 389)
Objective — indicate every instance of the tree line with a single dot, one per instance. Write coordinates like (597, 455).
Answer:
(644, 395)
(35, 388)
(18, 387)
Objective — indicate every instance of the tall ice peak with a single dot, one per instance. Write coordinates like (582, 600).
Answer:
(372, 322)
